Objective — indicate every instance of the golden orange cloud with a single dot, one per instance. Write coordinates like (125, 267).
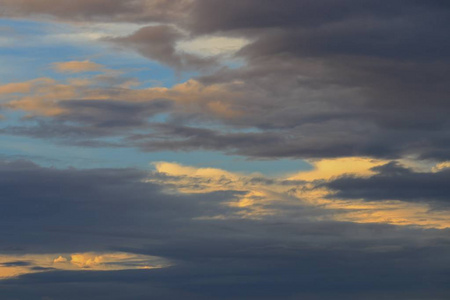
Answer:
(262, 196)
(77, 66)
(329, 168)
(16, 265)
(42, 96)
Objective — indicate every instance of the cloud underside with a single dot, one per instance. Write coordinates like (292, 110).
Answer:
(211, 229)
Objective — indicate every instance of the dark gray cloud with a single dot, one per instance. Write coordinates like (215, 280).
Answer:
(383, 69)
(159, 43)
(84, 120)
(113, 114)
(18, 263)
(95, 10)
(312, 140)
(101, 202)
(287, 256)
(394, 182)
(249, 14)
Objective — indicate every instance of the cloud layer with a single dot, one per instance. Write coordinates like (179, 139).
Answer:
(321, 79)
(359, 89)
(290, 252)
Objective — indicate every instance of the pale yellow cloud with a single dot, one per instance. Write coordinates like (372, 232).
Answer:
(191, 180)
(329, 168)
(174, 169)
(263, 197)
(16, 265)
(60, 259)
(441, 166)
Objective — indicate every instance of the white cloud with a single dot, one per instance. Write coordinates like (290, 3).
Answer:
(212, 45)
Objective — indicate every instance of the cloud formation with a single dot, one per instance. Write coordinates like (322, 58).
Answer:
(77, 66)
(159, 43)
(110, 210)
(357, 88)
(395, 182)
(96, 10)
(327, 79)
(13, 266)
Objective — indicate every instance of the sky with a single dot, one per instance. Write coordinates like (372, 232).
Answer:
(212, 149)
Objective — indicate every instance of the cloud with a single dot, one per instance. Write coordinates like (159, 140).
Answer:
(96, 10)
(304, 194)
(35, 263)
(350, 84)
(256, 125)
(91, 201)
(77, 66)
(395, 182)
(23, 87)
(159, 42)
(82, 216)
(212, 45)
(329, 168)
(315, 80)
